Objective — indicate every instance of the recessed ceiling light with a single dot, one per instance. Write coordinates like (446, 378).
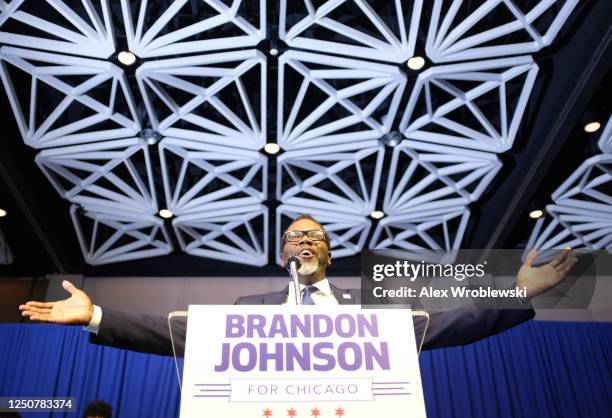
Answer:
(535, 214)
(416, 63)
(2, 213)
(166, 214)
(126, 58)
(592, 127)
(151, 136)
(272, 148)
(377, 214)
(392, 138)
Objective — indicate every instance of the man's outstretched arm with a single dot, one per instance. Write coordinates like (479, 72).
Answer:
(76, 310)
(138, 332)
(144, 333)
(469, 324)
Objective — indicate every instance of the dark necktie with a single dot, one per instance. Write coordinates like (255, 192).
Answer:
(306, 298)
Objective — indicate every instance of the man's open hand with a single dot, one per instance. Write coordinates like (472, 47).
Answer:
(76, 310)
(539, 279)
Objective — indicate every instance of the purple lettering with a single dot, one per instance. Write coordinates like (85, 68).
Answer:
(303, 324)
(302, 358)
(323, 326)
(265, 356)
(330, 360)
(225, 347)
(357, 358)
(371, 326)
(349, 321)
(256, 323)
(381, 357)
(234, 326)
(251, 353)
(278, 327)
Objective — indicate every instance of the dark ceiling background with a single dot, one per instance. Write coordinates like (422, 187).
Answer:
(573, 87)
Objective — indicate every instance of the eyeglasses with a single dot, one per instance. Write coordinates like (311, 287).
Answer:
(315, 235)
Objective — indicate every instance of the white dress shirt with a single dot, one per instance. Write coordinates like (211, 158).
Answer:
(96, 318)
(322, 296)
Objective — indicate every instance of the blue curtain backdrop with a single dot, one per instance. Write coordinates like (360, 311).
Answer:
(539, 369)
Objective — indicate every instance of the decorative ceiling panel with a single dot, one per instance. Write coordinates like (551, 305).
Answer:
(110, 175)
(581, 215)
(110, 237)
(155, 29)
(424, 176)
(385, 31)
(422, 233)
(324, 100)
(361, 135)
(238, 234)
(82, 28)
(200, 177)
(340, 178)
(476, 105)
(68, 100)
(208, 98)
(461, 30)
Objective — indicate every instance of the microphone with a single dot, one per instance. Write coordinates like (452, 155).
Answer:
(293, 259)
(293, 264)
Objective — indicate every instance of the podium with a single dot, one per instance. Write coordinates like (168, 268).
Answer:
(177, 324)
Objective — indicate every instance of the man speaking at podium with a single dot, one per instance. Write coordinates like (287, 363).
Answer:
(305, 239)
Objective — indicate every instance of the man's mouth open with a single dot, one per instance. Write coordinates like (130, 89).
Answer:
(306, 254)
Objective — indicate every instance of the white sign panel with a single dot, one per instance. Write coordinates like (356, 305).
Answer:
(300, 361)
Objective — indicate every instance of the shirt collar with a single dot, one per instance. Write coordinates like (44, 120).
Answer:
(322, 286)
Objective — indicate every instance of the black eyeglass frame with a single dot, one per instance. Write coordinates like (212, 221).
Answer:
(307, 233)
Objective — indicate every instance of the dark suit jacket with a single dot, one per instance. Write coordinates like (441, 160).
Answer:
(150, 334)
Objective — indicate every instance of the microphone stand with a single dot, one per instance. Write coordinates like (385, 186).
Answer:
(294, 265)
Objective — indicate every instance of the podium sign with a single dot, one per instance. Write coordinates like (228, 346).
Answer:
(300, 361)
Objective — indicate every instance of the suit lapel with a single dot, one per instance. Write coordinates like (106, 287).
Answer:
(344, 297)
(275, 298)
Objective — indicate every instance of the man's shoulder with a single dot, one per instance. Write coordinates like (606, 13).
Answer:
(346, 296)
(270, 298)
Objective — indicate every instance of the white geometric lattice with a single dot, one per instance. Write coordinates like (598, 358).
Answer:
(238, 234)
(605, 141)
(200, 177)
(581, 216)
(437, 229)
(196, 97)
(347, 231)
(106, 176)
(209, 28)
(462, 30)
(324, 100)
(445, 105)
(589, 187)
(426, 176)
(83, 94)
(387, 41)
(210, 110)
(107, 237)
(573, 227)
(339, 178)
(52, 25)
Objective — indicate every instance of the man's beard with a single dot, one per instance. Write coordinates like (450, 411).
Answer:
(309, 268)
